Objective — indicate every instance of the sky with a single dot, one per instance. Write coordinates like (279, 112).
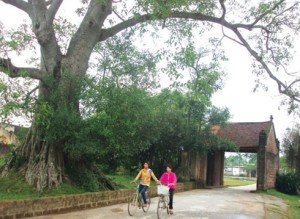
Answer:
(237, 94)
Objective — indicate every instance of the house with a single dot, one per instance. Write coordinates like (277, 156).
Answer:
(235, 171)
(8, 136)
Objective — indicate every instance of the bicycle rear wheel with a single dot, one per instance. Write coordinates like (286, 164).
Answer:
(162, 208)
(133, 204)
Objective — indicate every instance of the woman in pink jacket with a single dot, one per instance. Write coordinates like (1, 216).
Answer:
(169, 179)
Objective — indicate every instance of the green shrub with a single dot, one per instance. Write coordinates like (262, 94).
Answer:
(287, 183)
(2, 161)
(84, 178)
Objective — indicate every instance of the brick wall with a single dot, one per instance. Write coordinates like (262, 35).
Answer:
(61, 204)
(267, 162)
(272, 163)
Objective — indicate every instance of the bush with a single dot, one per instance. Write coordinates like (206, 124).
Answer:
(2, 161)
(287, 183)
(84, 178)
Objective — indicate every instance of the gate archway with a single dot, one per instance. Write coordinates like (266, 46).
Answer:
(249, 137)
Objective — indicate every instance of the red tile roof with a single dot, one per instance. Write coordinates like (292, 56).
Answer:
(244, 135)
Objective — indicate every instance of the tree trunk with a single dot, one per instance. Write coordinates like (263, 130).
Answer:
(41, 158)
(43, 162)
(185, 168)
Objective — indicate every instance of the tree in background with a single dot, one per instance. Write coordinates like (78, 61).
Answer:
(134, 124)
(244, 160)
(65, 50)
(291, 149)
(283, 164)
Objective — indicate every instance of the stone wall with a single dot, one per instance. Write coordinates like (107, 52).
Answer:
(60, 204)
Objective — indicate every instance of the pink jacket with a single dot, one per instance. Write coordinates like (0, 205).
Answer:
(169, 179)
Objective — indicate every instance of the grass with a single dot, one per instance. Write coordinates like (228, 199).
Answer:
(122, 181)
(292, 200)
(2, 161)
(238, 181)
(15, 187)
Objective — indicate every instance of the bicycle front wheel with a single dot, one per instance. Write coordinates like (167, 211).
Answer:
(162, 208)
(146, 208)
(133, 205)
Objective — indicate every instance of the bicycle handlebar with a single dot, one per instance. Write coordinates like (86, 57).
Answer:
(133, 183)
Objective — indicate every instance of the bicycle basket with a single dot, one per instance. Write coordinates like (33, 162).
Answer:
(162, 190)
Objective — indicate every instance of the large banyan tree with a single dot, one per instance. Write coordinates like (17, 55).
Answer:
(264, 28)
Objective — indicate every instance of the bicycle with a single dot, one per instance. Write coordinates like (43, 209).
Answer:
(136, 202)
(163, 201)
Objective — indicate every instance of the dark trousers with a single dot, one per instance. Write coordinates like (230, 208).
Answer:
(142, 191)
(171, 194)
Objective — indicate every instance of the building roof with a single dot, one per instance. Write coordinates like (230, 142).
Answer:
(245, 135)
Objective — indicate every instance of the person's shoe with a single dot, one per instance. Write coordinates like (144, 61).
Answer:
(170, 211)
(144, 205)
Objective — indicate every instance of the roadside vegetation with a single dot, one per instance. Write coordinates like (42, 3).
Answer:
(14, 187)
(292, 200)
(238, 181)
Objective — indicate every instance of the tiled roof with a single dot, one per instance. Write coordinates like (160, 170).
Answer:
(244, 135)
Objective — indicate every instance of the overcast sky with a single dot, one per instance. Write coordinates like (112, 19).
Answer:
(237, 95)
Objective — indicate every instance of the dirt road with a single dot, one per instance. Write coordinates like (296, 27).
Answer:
(229, 203)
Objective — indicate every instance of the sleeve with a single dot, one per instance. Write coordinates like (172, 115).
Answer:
(138, 176)
(153, 176)
(175, 179)
(161, 177)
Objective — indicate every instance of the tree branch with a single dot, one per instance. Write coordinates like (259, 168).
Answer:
(109, 32)
(259, 18)
(223, 9)
(87, 35)
(54, 6)
(27, 97)
(230, 38)
(119, 16)
(266, 13)
(282, 88)
(293, 83)
(14, 72)
(24, 6)
(45, 34)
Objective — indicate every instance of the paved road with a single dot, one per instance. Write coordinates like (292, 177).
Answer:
(230, 203)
